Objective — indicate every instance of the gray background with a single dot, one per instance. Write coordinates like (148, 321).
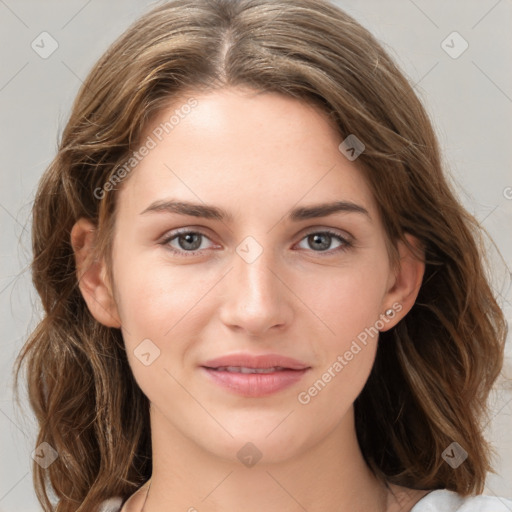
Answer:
(468, 97)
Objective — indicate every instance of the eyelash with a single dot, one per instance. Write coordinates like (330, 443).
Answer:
(346, 244)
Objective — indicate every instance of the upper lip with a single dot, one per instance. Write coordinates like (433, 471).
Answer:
(256, 361)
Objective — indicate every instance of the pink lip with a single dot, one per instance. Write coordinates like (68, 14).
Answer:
(289, 372)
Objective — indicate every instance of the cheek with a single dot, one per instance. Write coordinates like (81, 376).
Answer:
(152, 295)
(349, 305)
(348, 300)
(347, 348)
(160, 315)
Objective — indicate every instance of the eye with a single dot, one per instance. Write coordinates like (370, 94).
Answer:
(321, 240)
(187, 241)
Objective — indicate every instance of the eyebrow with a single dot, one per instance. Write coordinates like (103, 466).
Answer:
(213, 212)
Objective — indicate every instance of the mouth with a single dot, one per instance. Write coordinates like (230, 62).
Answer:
(246, 370)
(254, 376)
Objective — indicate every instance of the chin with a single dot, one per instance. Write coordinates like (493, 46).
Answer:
(260, 442)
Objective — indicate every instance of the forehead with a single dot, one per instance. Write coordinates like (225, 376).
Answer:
(254, 151)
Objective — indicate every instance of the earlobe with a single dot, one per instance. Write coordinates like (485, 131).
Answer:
(92, 276)
(407, 282)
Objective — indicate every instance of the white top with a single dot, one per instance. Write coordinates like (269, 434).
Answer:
(440, 500)
(111, 505)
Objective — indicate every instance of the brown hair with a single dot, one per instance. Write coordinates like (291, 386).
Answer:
(433, 371)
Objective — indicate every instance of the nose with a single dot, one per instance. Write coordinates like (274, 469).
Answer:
(257, 300)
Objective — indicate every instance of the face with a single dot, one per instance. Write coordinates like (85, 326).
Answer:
(257, 267)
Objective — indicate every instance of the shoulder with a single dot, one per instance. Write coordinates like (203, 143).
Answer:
(111, 505)
(442, 500)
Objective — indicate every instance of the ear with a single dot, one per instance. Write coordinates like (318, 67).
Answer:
(405, 286)
(92, 275)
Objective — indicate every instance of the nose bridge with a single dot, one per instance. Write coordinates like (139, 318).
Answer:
(255, 299)
(253, 272)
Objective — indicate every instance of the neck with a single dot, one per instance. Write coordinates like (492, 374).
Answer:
(330, 475)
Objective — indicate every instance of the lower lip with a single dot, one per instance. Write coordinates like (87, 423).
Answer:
(255, 384)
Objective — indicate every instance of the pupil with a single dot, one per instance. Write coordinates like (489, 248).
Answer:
(189, 239)
(317, 238)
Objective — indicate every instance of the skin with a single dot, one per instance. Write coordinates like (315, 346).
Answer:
(257, 156)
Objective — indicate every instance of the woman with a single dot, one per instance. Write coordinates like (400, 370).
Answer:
(260, 291)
